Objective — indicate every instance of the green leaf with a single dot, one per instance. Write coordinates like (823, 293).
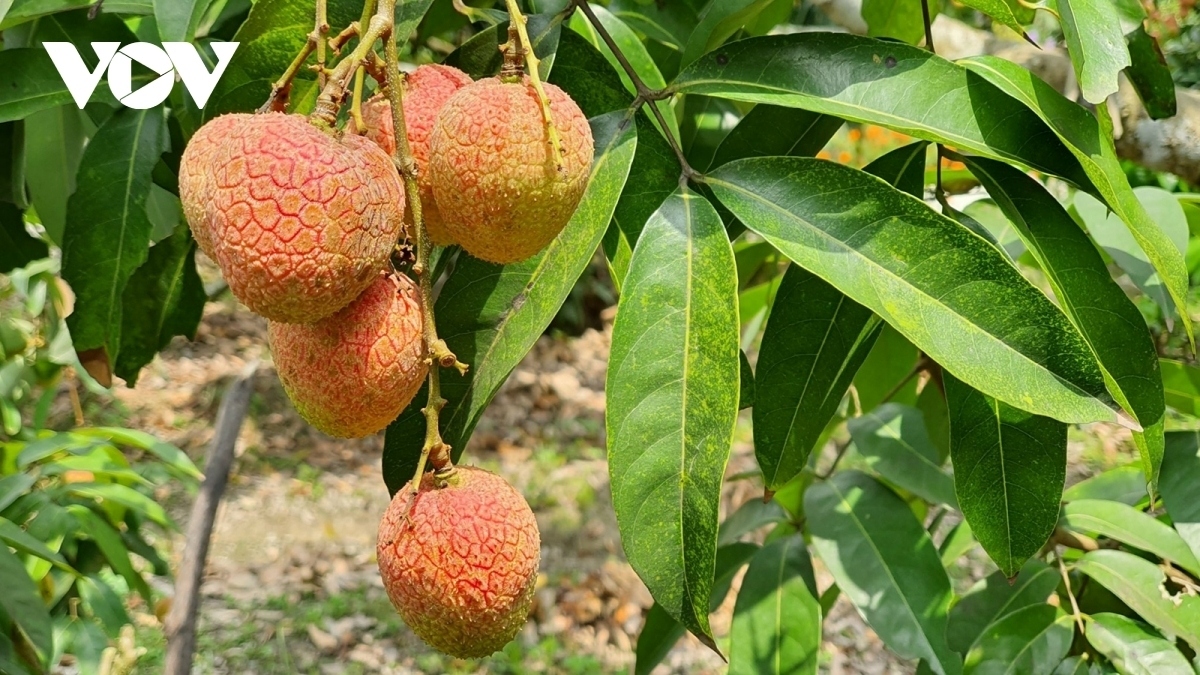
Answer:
(672, 404)
(748, 517)
(20, 600)
(653, 176)
(1096, 45)
(1135, 648)
(1009, 468)
(660, 632)
(995, 597)
(1073, 665)
(814, 342)
(408, 16)
(746, 393)
(14, 536)
(886, 83)
(1090, 141)
(1181, 475)
(1110, 323)
(177, 19)
(957, 543)
(173, 457)
(772, 130)
(885, 563)
(776, 620)
(480, 56)
(1130, 526)
(124, 496)
(1108, 232)
(22, 11)
(899, 19)
(719, 20)
(1125, 484)
(947, 290)
(108, 233)
(903, 168)
(1030, 641)
(888, 374)
(1011, 13)
(668, 22)
(1181, 382)
(18, 248)
(1140, 584)
(54, 141)
(491, 315)
(104, 604)
(109, 542)
(893, 441)
(270, 38)
(13, 487)
(1149, 74)
(164, 298)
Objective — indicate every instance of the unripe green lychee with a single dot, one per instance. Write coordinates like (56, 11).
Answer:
(460, 565)
(299, 221)
(352, 373)
(493, 171)
(426, 90)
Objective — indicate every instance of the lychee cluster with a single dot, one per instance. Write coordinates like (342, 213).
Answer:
(303, 221)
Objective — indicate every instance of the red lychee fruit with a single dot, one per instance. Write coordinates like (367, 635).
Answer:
(461, 563)
(351, 374)
(426, 90)
(493, 171)
(299, 220)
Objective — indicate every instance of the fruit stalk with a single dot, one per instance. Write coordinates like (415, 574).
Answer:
(334, 92)
(282, 87)
(434, 449)
(356, 102)
(525, 46)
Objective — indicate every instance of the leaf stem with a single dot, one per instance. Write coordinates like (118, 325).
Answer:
(644, 94)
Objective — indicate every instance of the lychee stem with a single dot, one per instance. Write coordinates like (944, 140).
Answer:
(434, 449)
(516, 18)
(359, 76)
(282, 88)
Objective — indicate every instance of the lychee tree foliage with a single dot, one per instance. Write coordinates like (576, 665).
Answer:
(941, 356)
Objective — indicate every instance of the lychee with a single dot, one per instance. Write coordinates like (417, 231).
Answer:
(300, 221)
(352, 373)
(460, 562)
(493, 169)
(426, 90)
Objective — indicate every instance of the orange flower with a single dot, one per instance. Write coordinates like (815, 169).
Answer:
(845, 157)
(824, 154)
(854, 135)
(876, 134)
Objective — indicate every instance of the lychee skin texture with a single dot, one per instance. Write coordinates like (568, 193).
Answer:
(461, 568)
(426, 90)
(351, 374)
(299, 221)
(493, 171)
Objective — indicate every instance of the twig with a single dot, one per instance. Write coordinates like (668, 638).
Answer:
(282, 88)
(329, 101)
(524, 46)
(938, 192)
(180, 625)
(1070, 594)
(356, 101)
(841, 452)
(644, 94)
(434, 449)
(922, 364)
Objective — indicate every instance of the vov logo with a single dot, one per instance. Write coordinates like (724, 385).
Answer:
(167, 60)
